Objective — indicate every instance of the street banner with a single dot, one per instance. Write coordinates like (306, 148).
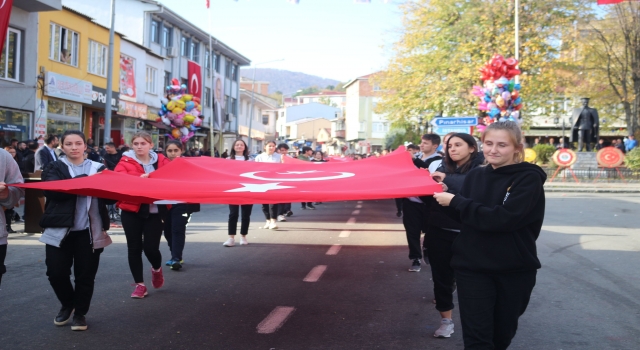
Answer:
(5, 14)
(127, 79)
(194, 72)
(189, 180)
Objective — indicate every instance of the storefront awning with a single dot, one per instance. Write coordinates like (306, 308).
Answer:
(159, 125)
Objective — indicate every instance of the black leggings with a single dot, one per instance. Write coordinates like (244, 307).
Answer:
(143, 234)
(440, 243)
(3, 254)
(233, 218)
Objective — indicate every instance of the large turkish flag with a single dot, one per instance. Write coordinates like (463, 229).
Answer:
(5, 14)
(195, 79)
(223, 181)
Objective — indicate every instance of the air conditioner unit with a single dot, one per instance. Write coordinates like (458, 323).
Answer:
(172, 51)
(227, 117)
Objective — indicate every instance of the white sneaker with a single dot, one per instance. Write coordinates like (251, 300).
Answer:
(243, 241)
(266, 225)
(273, 226)
(445, 330)
(230, 242)
(281, 218)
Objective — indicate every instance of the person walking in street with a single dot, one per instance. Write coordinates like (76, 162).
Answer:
(9, 196)
(495, 260)
(239, 152)
(306, 155)
(284, 209)
(270, 210)
(74, 233)
(461, 155)
(142, 223)
(47, 154)
(177, 217)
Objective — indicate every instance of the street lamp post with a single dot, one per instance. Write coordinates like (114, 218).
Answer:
(253, 83)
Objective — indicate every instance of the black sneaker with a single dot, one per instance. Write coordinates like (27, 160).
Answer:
(303, 208)
(79, 323)
(415, 267)
(310, 206)
(399, 214)
(10, 230)
(289, 213)
(63, 316)
(176, 265)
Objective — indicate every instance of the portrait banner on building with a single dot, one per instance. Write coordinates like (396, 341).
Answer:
(5, 14)
(127, 78)
(194, 72)
(218, 100)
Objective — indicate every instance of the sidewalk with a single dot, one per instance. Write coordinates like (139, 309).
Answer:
(590, 187)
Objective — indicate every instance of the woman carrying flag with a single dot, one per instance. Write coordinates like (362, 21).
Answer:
(239, 152)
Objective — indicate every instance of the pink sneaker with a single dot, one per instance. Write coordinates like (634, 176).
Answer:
(139, 292)
(157, 279)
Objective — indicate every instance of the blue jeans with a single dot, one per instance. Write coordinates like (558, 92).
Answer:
(175, 230)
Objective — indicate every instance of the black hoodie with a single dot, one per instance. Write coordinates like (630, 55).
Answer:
(502, 212)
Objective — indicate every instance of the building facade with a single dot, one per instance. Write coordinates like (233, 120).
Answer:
(257, 124)
(365, 129)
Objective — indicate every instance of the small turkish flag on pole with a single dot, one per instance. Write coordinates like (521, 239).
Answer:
(208, 3)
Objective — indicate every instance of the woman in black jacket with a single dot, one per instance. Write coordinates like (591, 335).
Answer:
(74, 232)
(461, 155)
(494, 257)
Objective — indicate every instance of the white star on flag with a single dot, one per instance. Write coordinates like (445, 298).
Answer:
(259, 187)
(298, 172)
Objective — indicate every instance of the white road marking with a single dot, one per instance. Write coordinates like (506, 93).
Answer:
(351, 221)
(275, 319)
(359, 206)
(315, 273)
(359, 202)
(355, 212)
(344, 234)
(334, 249)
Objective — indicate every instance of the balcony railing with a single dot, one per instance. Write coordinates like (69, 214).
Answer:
(338, 134)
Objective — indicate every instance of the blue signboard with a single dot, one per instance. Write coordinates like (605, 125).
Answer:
(445, 130)
(455, 121)
(13, 127)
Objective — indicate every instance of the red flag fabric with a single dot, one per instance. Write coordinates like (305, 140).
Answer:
(195, 79)
(208, 3)
(223, 181)
(609, 2)
(5, 14)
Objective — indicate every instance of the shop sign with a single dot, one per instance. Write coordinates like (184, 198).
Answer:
(40, 127)
(152, 114)
(99, 98)
(132, 109)
(67, 88)
(13, 127)
(127, 78)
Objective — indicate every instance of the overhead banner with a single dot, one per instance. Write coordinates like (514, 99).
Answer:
(67, 88)
(5, 14)
(195, 79)
(257, 183)
(132, 109)
(218, 100)
(127, 78)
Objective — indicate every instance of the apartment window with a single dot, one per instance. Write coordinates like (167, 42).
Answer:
(234, 72)
(265, 119)
(233, 108)
(194, 51)
(226, 102)
(97, 58)
(207, 97)
(227, 69)
(166, 36)
(63, 45)
(207, 62)
(216, 62)
(155, 33)
(152, 75)
(362, 127)
(183, 46)
(167, 79)
(10, 57)
(376, 87)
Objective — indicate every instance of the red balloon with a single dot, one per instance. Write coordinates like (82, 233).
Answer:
(511, 62)
(175, 81)
(515, 94)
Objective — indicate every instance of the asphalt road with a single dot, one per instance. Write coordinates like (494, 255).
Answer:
(362, 297)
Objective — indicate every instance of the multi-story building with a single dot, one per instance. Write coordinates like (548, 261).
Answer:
(365, 130)
(258, 125)
(163, 31)
(312, 132)
(19, 81)
(310, 110)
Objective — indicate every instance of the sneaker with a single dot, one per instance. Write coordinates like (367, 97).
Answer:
(176, 265)
(289, 213)
(399, 214)
(139, 292)
(229, 242)
(168, 263)
(303, 208)
(281, 218)
(79, 323)
(273, 226)
(310, 206)
(63, 316)
(415, 267)
(157, 279)
(243, 241)
(445, 330)
(10, 230)
(266, 225)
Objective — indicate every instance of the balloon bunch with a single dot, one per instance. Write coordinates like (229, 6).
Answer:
(500, 94)
(181, 111)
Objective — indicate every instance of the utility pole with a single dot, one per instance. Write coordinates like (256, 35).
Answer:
(107, 110)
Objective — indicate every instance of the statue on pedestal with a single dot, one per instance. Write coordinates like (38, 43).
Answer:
(585, 126)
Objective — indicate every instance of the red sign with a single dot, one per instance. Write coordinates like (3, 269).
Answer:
(5, 13)
(610, 157)
(127, 78)
(253, 183)
(195, 79)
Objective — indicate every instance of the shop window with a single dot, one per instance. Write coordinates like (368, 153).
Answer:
(98, 58)
(10, 57)
(152, 75)
(14, 125)
(63, 45)
(63, 116)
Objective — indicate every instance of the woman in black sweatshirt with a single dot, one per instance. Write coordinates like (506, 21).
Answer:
(494, 257)
(461, 156)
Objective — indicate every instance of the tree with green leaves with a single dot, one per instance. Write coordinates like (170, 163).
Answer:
(445, 42)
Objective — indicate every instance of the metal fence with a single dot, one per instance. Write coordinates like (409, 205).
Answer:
(601, 174)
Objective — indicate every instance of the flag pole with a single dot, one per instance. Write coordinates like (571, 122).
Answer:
(517, 25)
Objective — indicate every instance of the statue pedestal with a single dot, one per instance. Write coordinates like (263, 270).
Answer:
(585, 160)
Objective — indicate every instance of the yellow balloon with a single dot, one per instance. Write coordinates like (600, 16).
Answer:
(171, 105)
(180, 104)
(187, 97)
(189, 118)
(177, 111)
(500, 101)
(530, 155)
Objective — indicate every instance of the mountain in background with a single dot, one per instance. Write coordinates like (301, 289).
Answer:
(286, 81)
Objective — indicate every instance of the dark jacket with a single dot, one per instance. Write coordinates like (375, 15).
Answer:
(60, 208)
(502, 211)
(111, 160)
(425, 163)
(45, 157)
(28, 162)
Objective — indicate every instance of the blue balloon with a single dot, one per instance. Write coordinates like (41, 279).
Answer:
(162, 112)
(190, 105)
(517, 87)
(164, 108)
(517, 101)
(487, 99)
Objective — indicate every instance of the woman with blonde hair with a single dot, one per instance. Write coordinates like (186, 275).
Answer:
(142, 223)
(495, 260)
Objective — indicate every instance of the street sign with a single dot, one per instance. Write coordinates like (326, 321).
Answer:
(455, 121)
(455, 129)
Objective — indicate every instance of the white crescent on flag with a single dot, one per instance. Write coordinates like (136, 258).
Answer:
(194, 79)
(252, 175)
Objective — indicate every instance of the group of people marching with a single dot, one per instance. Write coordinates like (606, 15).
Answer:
(480, 233)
